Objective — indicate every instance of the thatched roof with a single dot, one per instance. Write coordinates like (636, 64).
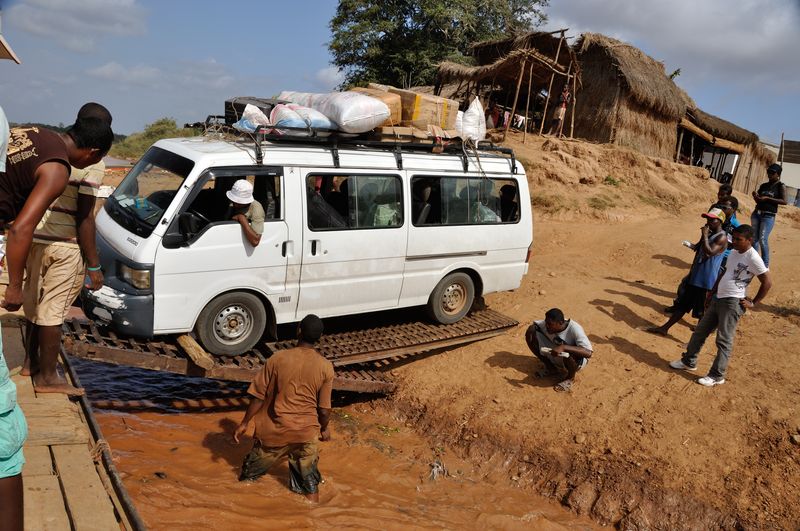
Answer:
(505, 68)
(487, 52)
(720, 128)
(645, 78)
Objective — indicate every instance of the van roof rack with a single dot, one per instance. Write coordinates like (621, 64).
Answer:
(333, 140)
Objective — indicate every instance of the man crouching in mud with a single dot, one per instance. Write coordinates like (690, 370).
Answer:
(291, 405)
(561, 345)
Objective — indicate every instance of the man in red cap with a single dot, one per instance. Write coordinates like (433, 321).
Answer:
(704, 271)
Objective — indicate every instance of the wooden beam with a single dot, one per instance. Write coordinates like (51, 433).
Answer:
(708, 137)
(680, 145)
(528, 103)
(550, 87)
(196, 353)
(574, 100)
(516, 96)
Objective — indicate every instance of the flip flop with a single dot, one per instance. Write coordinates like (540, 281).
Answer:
(563, 387)
(656, 330)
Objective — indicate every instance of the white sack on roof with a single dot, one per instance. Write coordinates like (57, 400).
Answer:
(351, 111)
(473, 124)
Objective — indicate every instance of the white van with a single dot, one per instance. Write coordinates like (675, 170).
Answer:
(349, 229)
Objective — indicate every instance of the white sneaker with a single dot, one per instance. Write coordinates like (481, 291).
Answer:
(680, 365)
(710, 381)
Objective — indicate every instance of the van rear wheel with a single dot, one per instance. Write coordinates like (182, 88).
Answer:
(452, 298)
(231, 324)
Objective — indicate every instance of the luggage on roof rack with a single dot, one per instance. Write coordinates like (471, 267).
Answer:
(234, 107)
(398, 142)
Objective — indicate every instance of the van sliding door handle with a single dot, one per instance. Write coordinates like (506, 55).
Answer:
(314, 247)
(283, 248)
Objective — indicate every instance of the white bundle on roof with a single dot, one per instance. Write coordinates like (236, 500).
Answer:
(352, 112)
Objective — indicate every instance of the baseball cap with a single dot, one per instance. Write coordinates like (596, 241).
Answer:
(714, 213)
(241, 193)
(775, 168)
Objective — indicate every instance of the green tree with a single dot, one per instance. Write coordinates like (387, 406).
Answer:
(401, 42)
(136, 144)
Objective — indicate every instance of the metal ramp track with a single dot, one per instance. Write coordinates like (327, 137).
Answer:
(361, 358)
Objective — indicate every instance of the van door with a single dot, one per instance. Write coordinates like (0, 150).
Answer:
(205, 253)
(354, 242)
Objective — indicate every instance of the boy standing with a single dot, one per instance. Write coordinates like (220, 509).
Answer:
(726, 307)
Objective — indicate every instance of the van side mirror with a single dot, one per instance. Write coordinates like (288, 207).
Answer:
(180, 231)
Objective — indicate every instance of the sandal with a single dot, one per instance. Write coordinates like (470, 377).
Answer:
(656, 330)
(563, 387)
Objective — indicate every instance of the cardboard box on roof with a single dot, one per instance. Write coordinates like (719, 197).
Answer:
(422, 110)
(393, 101)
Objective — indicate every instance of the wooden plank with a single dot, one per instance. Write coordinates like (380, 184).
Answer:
(24, 388)
(44, 506)
(49, 407)
(88, 503)
(200, 357)
(55, 429)
(38, 462)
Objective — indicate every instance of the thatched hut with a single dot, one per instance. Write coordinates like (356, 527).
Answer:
(727, 144)
(627, 97)
(512, 71)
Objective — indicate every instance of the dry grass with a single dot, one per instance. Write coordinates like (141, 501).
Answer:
(601, 202)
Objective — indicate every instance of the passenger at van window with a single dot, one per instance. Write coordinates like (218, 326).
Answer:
(508, 203)
(291, 406)
(561, 345)
(245, 210)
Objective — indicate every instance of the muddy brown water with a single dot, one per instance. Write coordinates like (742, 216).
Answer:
(170, 437)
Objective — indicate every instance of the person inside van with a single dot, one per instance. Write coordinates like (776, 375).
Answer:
(508, 204)
(245, 210)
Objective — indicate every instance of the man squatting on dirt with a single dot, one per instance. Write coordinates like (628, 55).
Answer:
(291, 404)
(726, 306)
(561, 345)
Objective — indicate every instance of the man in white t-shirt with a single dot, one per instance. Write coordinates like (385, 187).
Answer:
(561, 345)
(727, 305)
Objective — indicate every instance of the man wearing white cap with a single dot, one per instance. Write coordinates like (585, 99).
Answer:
(246, 210)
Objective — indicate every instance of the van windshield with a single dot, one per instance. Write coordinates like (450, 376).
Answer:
(147, 191)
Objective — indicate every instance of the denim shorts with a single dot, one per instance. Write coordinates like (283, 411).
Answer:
(13, 432)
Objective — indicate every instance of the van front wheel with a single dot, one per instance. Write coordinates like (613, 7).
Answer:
(231, 324)
(451, 298)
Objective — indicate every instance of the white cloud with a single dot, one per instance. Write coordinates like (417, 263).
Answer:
(751, 43)
(208, 74)
(135, 75)
(77, 24)
(329, 78)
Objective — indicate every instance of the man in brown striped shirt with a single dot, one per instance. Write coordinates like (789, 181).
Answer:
(63, 252)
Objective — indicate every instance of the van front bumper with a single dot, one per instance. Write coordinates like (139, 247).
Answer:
(131, 315)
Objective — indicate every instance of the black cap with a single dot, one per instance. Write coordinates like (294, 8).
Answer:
(775, 168)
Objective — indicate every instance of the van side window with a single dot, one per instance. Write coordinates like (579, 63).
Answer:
(463, 201)
(212, 203)
(341, 202)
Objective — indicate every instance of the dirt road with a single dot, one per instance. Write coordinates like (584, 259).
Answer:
(635, 441)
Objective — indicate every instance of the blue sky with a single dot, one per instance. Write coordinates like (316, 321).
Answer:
(146, 59)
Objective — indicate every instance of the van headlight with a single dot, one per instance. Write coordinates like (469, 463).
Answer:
(138, 278)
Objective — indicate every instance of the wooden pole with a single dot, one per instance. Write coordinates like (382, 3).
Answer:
(528, 102)
(680, 145)
(711, 171)
(691, 152)
(516, 95)
(574, 98)
(783, 148)
(550, 87)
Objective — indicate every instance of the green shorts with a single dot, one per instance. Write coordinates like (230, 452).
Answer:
(304, 477)
(13, 432)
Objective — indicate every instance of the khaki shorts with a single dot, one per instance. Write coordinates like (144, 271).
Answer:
(304, 476)
(54, 277)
